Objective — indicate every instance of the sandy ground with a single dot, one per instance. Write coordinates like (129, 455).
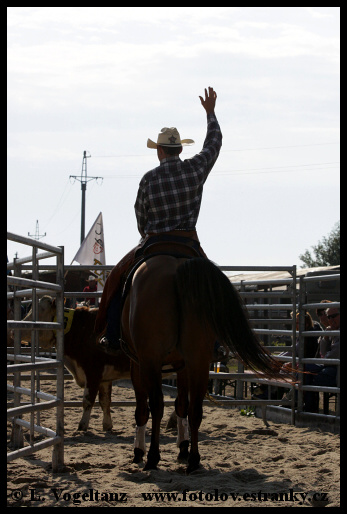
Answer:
(243, 464)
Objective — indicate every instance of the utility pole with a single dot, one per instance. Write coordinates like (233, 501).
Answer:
(84, 179)
(37, 236)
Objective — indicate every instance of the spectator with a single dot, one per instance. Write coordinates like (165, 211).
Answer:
(323, 341)
(310, 343)
(322, 315)
(91, 288)
(324, 374)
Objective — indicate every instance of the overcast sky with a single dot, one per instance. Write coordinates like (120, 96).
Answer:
(103, 80)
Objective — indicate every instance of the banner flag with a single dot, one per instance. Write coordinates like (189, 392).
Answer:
(92, 251)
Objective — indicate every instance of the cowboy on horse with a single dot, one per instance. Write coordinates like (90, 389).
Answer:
(167, 208)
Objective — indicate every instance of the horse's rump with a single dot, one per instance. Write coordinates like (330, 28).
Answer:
(150, 317)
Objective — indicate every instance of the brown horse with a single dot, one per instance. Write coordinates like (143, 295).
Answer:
(175, 311)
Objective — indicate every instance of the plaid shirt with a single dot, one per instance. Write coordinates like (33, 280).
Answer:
(169, 196)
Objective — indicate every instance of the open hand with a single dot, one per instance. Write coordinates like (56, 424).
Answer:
(210, 100)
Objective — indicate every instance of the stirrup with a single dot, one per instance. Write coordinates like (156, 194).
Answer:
(108, 347)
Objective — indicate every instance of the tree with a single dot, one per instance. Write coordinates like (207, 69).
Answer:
(327, 251)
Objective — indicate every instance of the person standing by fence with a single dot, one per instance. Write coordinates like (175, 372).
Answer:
(324, 374)
(91, 288)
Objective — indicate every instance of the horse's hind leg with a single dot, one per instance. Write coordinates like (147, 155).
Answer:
(147, 384)
(181, 408)
(198, 381)
(141, 415)
(156, 405)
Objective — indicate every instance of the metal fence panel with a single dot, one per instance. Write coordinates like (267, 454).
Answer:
(34, 363)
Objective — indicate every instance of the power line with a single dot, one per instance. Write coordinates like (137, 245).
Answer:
(278, 169)
(223, 150)
(275, 147)
(249, 171)
(59, 204)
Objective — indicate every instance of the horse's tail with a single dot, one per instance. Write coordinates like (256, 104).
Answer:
(205, 289)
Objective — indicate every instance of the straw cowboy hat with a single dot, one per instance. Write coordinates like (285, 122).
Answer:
(169, 137)
(90, 278)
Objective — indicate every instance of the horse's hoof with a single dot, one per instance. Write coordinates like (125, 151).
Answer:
(152, 460)
(150, 465)
(191, 468)
(184, 453)
(138, 455)
(193, 463)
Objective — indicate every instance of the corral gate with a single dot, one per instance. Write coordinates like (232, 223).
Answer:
(289, 294)
(39, 400)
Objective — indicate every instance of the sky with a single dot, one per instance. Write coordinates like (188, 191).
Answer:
(104, 79)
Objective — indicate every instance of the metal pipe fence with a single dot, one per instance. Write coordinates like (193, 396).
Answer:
(297, 289)
(271, 320)
(38, 400)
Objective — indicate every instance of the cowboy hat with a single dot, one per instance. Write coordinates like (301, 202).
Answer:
(90, 278)
(169, 137)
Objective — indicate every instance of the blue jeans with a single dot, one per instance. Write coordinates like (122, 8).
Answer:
(325, 376)
(113, 320)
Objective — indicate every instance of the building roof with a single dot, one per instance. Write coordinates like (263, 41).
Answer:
(275, 275)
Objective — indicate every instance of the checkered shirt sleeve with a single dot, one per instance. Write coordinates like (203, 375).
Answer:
(169, 196)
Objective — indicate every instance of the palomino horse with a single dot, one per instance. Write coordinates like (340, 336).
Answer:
(175, 311)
